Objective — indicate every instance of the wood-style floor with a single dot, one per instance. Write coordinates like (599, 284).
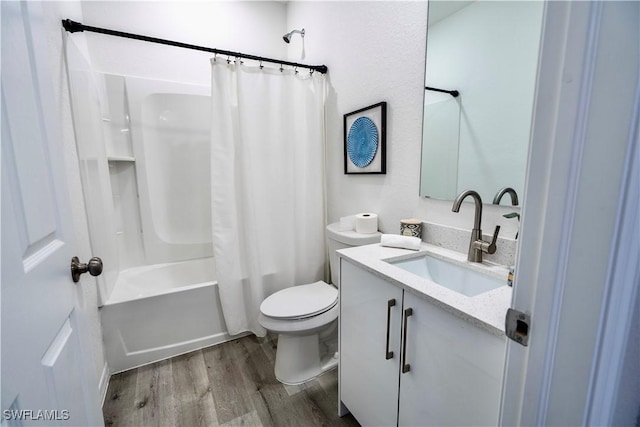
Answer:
(230, 384)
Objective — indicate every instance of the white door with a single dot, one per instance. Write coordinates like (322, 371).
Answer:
(44, 378)
(577, 272)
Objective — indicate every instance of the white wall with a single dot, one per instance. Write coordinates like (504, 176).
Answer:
(375, 52)
(251, 27)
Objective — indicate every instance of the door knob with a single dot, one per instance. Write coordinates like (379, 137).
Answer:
(94, 267)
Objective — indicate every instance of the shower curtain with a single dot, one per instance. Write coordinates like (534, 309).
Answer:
(268, 186)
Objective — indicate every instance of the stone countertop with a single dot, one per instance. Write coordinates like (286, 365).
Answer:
(486, 310)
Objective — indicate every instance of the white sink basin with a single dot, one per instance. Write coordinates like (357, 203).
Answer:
(457, 278)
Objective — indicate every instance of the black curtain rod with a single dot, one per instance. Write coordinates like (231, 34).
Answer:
(453, 93)
(73, 27)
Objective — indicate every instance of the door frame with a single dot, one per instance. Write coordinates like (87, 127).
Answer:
(572, 82)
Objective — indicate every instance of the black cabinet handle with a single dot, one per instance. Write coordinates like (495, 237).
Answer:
(405, 366)
(390, 303)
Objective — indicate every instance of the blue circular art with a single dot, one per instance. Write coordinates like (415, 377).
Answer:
(362, 141)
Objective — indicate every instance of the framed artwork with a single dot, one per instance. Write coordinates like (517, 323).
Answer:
(365, 140)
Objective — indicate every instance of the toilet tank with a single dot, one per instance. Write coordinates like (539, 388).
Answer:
(341, 239)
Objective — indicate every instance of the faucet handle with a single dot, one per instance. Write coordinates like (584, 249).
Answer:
(487, 247)
(491, 249)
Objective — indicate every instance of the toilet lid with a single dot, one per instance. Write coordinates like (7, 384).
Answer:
(300, 301)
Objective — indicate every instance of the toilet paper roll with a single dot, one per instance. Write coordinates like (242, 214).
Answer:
(347, 223)
(366, 223)
(411, 227)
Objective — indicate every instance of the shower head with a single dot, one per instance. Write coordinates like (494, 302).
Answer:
(287, 37)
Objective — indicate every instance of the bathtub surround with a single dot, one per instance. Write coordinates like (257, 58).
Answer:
(169, 134)
(132, 136)
(141, 142)
(267, 184)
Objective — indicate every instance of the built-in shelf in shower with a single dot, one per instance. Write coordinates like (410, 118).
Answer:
(121, 159)
(124, 193)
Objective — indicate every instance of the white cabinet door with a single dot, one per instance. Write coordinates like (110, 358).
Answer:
(368, 379)
(455, 374)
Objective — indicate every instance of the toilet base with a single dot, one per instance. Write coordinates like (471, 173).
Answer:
(302, 358)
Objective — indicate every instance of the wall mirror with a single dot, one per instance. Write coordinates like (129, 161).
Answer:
(488, 52)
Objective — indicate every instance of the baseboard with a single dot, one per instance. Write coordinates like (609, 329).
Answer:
(104, 383)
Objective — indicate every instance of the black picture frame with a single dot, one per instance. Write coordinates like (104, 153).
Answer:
(359, 147)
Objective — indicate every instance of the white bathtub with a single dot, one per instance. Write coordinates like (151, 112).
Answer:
(161, 311)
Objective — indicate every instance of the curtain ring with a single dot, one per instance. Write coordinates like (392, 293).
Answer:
(281, 69)
(261, 66)
(215, 56)
(296, 69)
(228, 59)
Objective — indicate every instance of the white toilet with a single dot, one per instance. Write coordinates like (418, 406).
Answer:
(305, 317)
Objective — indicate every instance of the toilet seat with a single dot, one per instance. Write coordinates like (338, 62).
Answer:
(300, 302)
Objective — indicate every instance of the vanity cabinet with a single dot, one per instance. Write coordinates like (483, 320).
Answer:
(368, 379)
(410, 362)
